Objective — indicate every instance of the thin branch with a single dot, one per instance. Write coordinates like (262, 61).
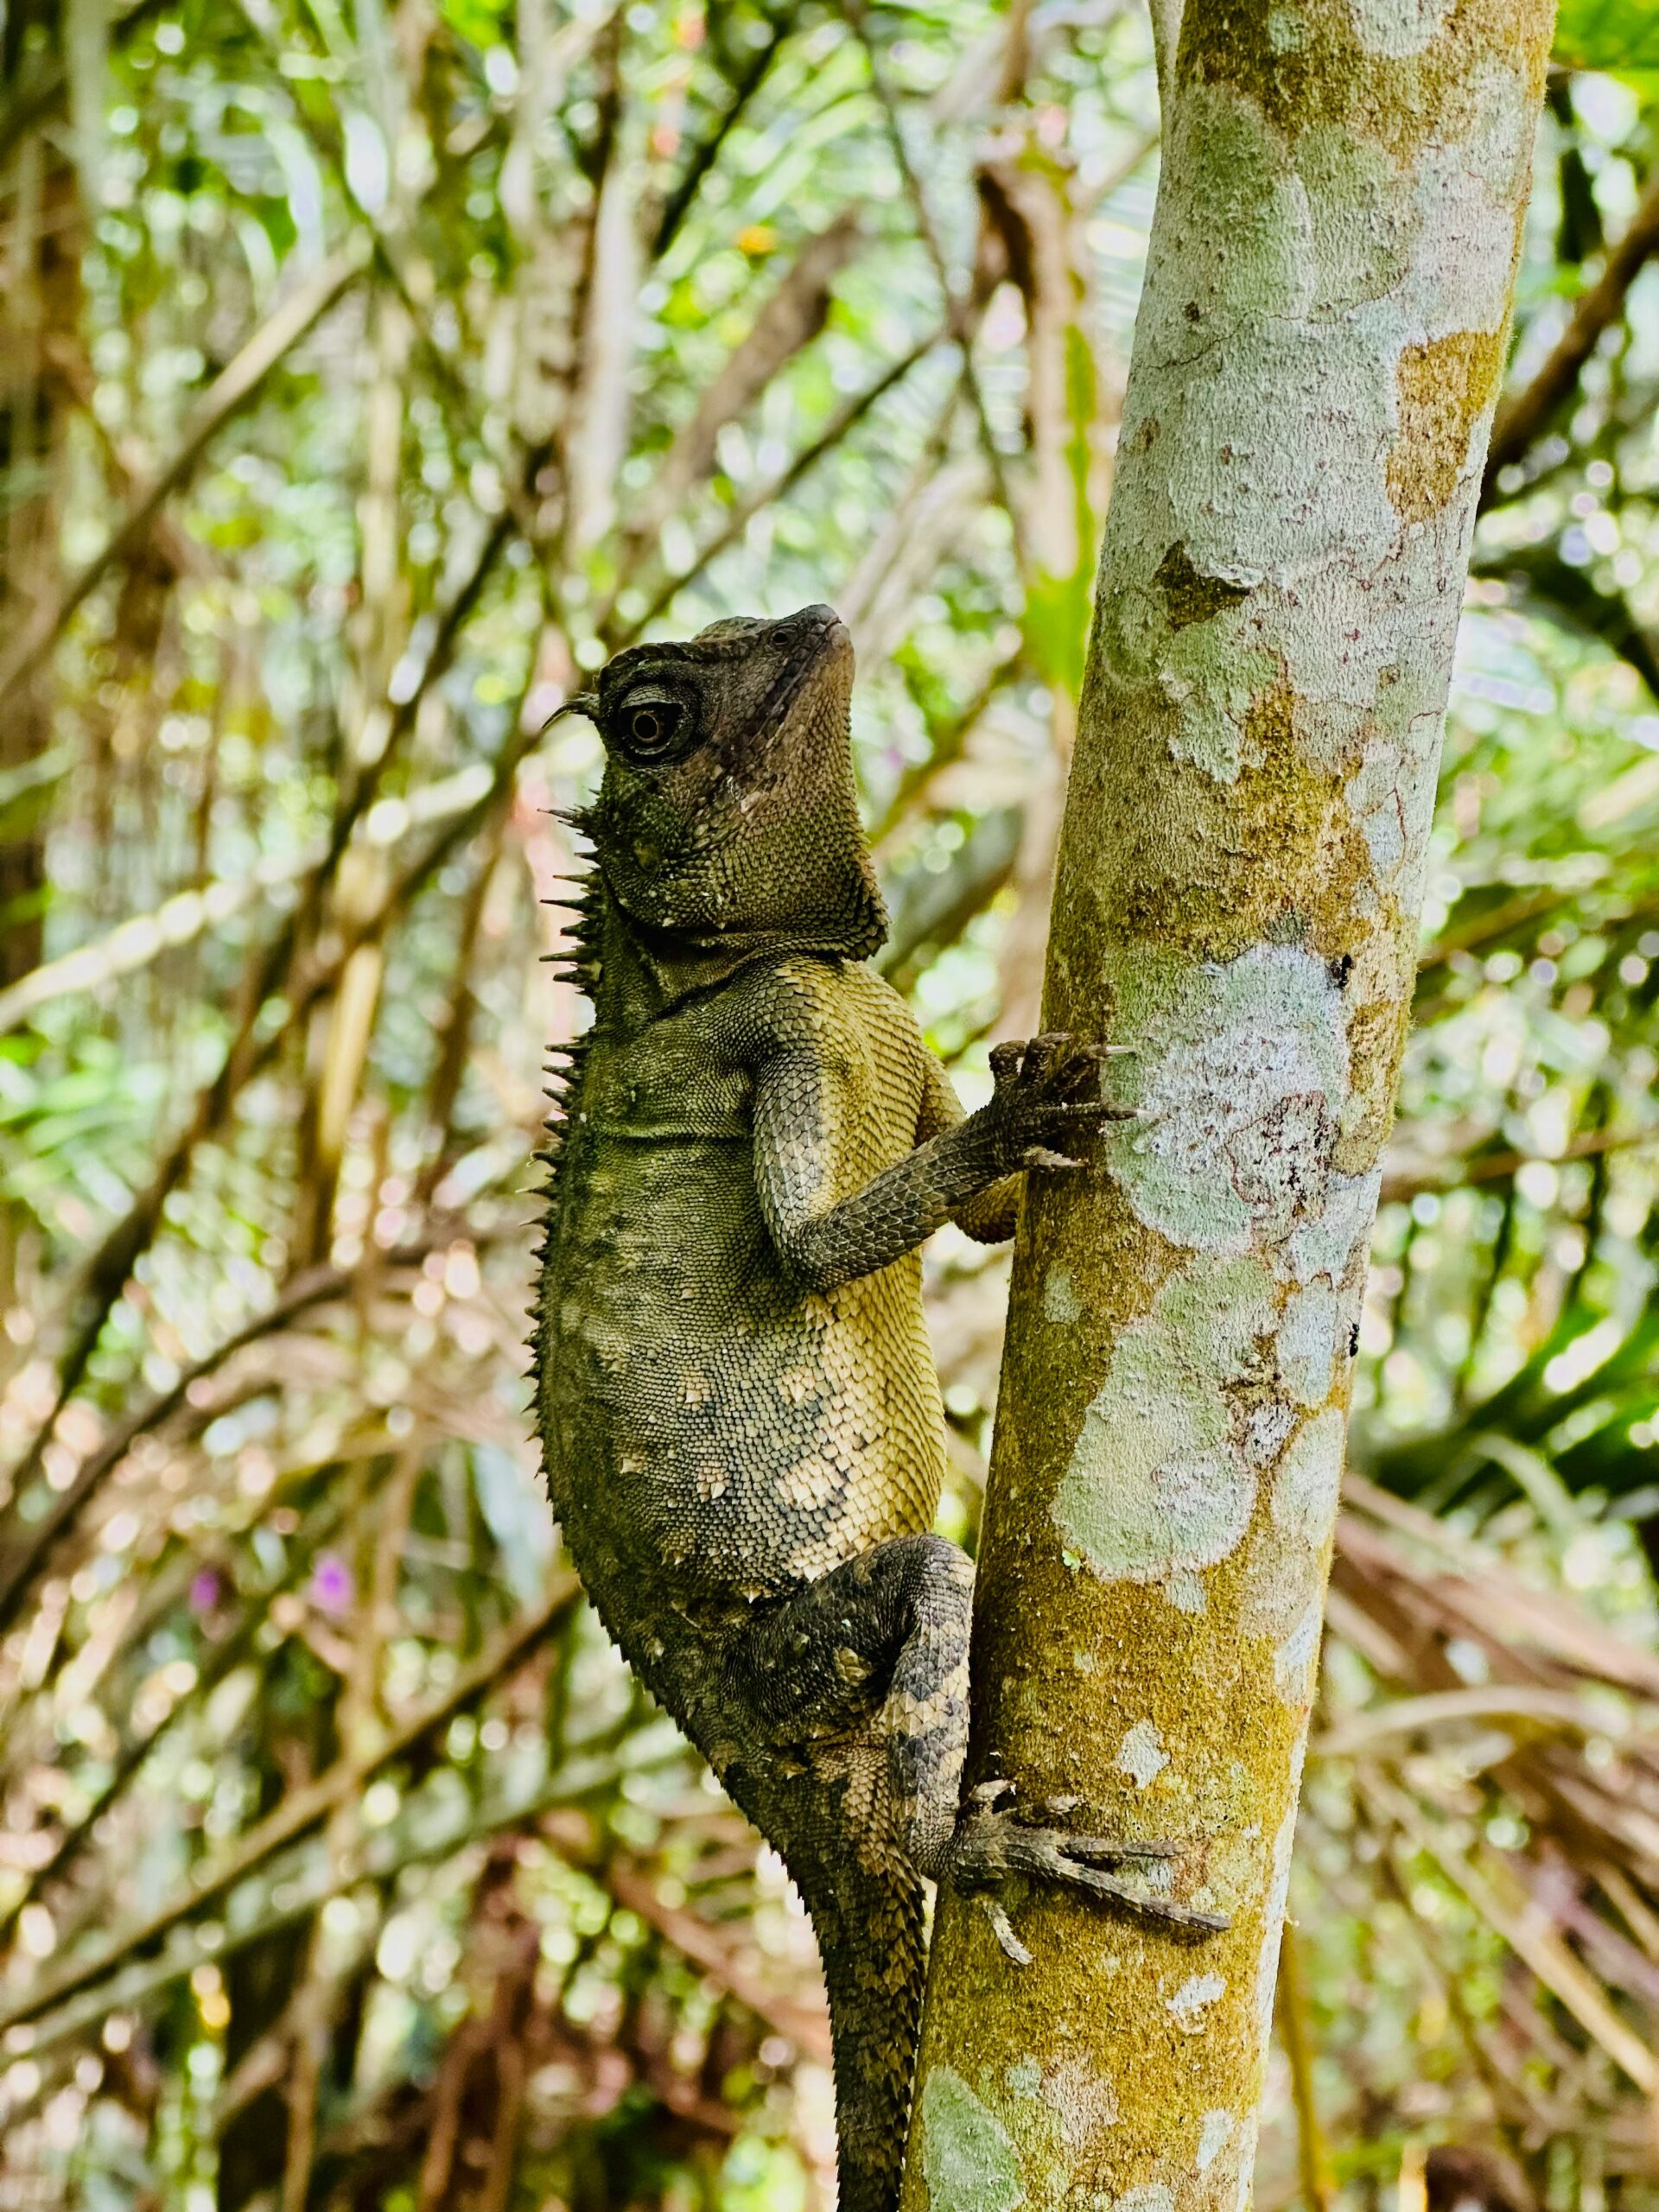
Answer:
(19, 1568)
(789, 318)
(1571, 595)
(947, 748)
(1294, 2033)
(1534, 1941)
(1494, 921)
(130, 1761)
(141, 940)
(106, 1273)
(359, 1723)
(957, 306)
(230, 391)
(1514, 2102)
(1502, 1166)
(706, 152)
(38, 101)
(694, 1939)
(1529, 414)
(382, 1860)
(463, 825)
(303, 1809)
(392, 263)
(845, 419)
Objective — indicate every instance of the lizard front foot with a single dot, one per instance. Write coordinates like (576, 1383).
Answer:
(992, 1842)
(1047, 1097)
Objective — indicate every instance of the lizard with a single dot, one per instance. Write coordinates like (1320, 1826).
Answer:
(740, 1415)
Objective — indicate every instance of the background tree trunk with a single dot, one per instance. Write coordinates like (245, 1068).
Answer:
(1318, 349)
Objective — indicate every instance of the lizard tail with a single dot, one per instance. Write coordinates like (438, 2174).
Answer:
(870, 1931)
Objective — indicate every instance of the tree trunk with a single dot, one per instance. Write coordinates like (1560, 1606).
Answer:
(1319, 349)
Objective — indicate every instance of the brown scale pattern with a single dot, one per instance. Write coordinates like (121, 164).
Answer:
(738, 1404)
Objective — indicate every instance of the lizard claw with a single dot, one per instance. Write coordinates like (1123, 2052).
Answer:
(1090, 1849)
(1047, 1095)
(991, 1844)
(1002, 1928)
(1054, 1813)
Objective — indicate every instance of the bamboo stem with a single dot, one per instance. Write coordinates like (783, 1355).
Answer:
(1295, 2034)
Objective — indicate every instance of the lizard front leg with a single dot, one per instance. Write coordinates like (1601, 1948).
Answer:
(1040, 1107)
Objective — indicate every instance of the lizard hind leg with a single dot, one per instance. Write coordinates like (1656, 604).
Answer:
(859, 1687)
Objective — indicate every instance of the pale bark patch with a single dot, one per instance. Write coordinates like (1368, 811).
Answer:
(1160, 1483)
(1240, 1074)
(1142, 1756)
(1150, 2197)
(1193, 2000)
(1398, 27)
(1083, 2105)
(1214, 2130)
(969, 2161)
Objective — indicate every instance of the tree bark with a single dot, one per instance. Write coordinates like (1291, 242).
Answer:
(1318, 349)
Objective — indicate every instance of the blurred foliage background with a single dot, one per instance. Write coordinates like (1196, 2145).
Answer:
(369, 368)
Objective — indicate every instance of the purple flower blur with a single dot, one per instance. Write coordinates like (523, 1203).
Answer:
(204, 1592)
(331, 1584)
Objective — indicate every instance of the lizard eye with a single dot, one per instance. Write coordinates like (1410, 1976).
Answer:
(651, 726)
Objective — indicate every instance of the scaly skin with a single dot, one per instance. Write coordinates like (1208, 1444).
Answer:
(738, 1405)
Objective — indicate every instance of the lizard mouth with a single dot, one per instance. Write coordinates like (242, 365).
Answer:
(807, 638)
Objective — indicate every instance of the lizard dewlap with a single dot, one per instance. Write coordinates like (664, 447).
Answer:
(738, 1406)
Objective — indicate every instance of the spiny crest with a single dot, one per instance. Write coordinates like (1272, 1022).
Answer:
(576, 962)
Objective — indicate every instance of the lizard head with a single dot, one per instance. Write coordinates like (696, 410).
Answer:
(728, 816)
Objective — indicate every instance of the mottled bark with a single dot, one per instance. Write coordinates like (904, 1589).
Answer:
(1241, 874)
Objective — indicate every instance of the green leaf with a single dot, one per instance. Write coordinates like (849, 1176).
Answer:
(1057, 626)
(1619, 35)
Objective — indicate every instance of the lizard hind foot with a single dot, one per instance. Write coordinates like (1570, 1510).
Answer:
(992, 1844)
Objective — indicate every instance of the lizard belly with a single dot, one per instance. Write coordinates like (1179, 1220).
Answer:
(710, 1414)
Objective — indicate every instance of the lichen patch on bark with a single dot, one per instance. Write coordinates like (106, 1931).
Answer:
(1366, 66)
(969, 2160)
(1160, 1481)
(1239, 1071)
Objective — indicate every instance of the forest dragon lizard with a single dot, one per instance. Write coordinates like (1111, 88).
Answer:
(739, 1410)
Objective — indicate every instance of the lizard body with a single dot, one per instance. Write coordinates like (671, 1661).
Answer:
(739, 1409)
